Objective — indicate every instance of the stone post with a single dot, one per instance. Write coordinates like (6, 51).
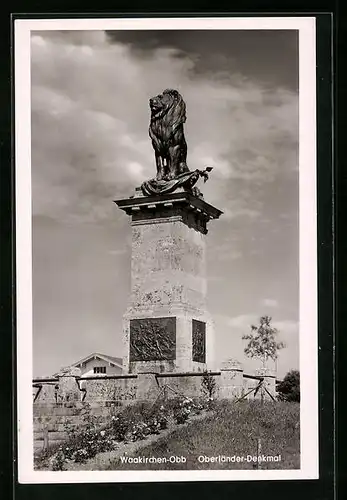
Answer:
(147, 386)
(269, 383)
(231, 380)
(69, 391)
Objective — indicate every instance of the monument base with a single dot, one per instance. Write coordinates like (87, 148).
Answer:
(167, 327)
(170, 340)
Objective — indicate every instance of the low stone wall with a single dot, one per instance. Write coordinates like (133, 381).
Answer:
(187, 384)
(115, 388)
(53, 422)
(60, 404)
(230, 382)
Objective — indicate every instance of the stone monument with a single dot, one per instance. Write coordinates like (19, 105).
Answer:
(167, 327)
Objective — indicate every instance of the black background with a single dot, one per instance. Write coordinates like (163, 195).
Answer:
(331, 184)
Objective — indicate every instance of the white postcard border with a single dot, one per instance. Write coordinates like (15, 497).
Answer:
(308, 246)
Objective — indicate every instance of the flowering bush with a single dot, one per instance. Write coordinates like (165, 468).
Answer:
(139, 431)
(183, 411)
(159, 421)
(57, 461)
(119, 427)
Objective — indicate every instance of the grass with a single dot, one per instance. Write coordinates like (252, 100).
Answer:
(232, 429)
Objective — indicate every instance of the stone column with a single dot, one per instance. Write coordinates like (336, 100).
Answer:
(231, 380)
(167, 327)
(69, 391)
(147, 387)
(269, 382)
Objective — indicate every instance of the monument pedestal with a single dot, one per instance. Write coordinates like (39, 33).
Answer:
(167, 327)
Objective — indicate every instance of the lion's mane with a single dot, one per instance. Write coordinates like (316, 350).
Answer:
(173, 113)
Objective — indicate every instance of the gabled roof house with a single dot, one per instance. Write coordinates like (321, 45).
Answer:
(99, 364)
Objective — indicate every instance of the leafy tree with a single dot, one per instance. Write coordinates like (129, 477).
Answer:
(289, 388)
(262, 341)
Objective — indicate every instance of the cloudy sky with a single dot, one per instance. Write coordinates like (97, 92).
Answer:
(90, 145)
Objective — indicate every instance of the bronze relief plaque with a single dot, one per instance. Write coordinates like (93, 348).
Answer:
(153, 339)
(199, 341)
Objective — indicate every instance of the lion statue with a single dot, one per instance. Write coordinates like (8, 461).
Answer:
(168, 114)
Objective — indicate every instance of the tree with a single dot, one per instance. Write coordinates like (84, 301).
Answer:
(262, 341)
(208, 384)
(289, 388)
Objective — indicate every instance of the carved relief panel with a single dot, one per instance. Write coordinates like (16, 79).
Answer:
(153, 339)
(199, 341)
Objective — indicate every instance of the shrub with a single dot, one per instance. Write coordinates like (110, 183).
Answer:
(289, 388)
(185, 407)
(162, 418)
(58, 461)
(139, 431)
(208, 384)
(119, 427)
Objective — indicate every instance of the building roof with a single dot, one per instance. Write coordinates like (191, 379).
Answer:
(110, 359)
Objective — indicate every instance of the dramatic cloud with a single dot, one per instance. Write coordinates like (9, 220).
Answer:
(90, 120)
(90, 145)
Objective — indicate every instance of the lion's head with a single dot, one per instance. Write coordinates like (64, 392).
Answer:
(169, 102)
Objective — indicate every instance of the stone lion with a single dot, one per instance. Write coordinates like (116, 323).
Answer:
(168, 114)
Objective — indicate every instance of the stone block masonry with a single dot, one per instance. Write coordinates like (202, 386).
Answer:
(114, 388)
(167, 327)
(103, 396)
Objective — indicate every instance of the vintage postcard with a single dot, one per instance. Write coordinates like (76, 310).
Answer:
(166, 249)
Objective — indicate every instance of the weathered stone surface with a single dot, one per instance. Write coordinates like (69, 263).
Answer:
(269, 382)
(68, 388)
(152, 339)
(103, 389)
(147, 387)
(231, 380)
(181, 206)
(231, 364)
(70, 371)
(168, 266)
(45, 392)
(52, 436)
(168, 279)
(58, 419)
(186, 385)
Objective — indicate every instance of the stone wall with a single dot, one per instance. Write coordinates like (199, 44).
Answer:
(54, 421)
(61, 404)
(188, 384)
(114, 388)
(231, 382)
